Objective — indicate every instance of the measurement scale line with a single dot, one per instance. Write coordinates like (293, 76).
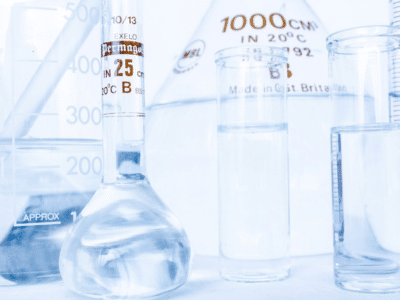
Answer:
(38, 167)
(123, 115)
(36, 224)
(35, 60)
(38, 114)
(37, 7)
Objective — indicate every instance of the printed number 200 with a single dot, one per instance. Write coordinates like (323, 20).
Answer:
(84, 166)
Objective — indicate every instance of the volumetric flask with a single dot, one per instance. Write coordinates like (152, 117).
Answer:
(125, 243)
(50, 130)
(181, 136)
(365, 159)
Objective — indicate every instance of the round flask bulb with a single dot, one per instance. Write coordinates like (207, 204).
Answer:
(125, 244)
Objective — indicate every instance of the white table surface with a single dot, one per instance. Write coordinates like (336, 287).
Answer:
(311, 278)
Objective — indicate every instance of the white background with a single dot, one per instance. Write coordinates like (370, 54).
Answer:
(169, 25)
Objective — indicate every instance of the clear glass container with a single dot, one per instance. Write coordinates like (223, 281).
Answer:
(253, 166)
(50, 130)
(126, 243)
(365, 159)
(181, 133)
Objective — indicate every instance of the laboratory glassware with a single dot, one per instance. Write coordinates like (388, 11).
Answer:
(181, 136)
(50, 130)
(253, 174)
(365, 160)
(125, 243)
(395, 68)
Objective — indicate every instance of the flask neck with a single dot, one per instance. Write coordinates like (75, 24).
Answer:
(124, 159)
(122, 92)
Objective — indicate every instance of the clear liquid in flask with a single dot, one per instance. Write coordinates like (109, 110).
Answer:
(126, 243)
(130, 246)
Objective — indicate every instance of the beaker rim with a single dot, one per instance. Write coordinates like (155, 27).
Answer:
(366, 127)
(279, 52)
(379, 37)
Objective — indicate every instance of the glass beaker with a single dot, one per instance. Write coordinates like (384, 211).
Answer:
(50, 130)
(126, 243)
(253, 168)
(365, 159)
(181, 136)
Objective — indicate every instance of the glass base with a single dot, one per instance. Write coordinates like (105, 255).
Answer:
(257, 270)
(28, 278)
(356, 283)
(255, 276)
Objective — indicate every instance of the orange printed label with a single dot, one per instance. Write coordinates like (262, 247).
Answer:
(121, 47)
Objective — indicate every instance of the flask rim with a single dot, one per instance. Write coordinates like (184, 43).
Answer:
(378, 38)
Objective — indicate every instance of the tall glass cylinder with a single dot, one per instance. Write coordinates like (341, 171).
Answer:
(365, 158)
(253, 170)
